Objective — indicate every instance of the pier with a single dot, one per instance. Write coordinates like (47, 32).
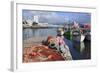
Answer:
(43, 26)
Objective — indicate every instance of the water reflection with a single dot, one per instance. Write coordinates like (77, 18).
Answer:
(79, 46)
(28, 33)
(83, 48)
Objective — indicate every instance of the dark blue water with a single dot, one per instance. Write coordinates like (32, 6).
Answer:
(76, 54)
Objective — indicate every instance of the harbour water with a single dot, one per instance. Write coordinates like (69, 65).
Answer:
(29, 33)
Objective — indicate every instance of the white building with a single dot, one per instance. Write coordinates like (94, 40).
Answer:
(36, 18)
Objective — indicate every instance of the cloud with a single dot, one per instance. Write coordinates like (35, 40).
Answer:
(45, 16)
(56, 17)
(52, 17)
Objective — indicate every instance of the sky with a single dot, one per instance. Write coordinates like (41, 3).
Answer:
(57, 17)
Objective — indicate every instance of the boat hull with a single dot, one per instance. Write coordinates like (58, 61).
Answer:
(79, 38)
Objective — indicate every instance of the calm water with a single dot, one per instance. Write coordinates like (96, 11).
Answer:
(28, 33)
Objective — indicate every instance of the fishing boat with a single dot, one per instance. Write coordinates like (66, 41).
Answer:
(77, 36)
(88, 36)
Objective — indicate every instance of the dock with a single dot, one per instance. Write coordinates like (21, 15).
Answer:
(42, 26)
